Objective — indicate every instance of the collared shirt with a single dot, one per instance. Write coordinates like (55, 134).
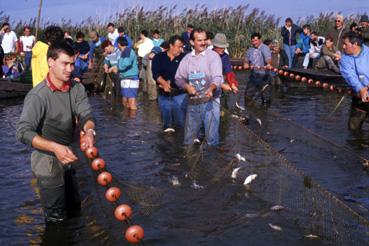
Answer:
(258, 57)
(200, 70)
(354, 69)
(145, 47)
(9, 42)
(53, 88)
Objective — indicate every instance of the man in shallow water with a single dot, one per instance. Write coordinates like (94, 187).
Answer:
(354, 66)
(47, 123)
(200, 74)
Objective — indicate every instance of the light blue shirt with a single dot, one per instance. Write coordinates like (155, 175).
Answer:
(355, 69)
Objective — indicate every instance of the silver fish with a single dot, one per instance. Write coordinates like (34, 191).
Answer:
(169, 130)
(197, 186)
(249, 179)
(311, 236)
(275, 227)
(175, 182)
(196, 140)
(259, 121)
(239, 107)
(240, 157)
(277, 208)
(234, 172)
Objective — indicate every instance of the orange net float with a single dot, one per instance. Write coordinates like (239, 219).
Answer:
(81, 134)
(310, 81)
(297, 77)
(325, 85)
(239, 67)
(252, 67)
(112, 194)
(91, 152)
(123, 212)
(280, 72)
(292, 76)
(275, 70)
(98, 164)
(104, 178)
(83, 144)
(285, 74)
(331, 87)
(317, 83)
(134, 234)
(234, 67)
(304, 79)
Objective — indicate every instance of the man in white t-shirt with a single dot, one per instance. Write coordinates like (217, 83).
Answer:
(27, 41)
(9, 39)
(112, 33)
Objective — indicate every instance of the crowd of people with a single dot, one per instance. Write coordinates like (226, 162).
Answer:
(186, 74)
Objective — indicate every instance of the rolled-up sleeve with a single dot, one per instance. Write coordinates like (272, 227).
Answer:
(31, 117)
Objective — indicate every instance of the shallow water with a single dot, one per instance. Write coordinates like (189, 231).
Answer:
(207, 207)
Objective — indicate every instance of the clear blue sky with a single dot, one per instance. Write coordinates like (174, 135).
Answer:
(77, 10)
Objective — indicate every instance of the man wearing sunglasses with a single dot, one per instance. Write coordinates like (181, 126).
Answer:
(338, 31)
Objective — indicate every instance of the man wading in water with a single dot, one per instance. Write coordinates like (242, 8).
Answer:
(47, 124)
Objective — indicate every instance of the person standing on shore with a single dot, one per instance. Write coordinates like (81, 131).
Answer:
(8, 39)
(200, 74)
(28, 41)
(289, 32)
(337, 32)
(354, 69)
(48, 122)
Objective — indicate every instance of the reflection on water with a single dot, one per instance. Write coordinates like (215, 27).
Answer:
(158, 177)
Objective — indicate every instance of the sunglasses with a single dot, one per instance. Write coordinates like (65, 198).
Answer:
(337, 20)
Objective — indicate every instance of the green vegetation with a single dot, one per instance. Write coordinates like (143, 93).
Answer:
(236, 22)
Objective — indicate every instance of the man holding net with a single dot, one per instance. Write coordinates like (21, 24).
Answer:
(200, 74)
(354, 66)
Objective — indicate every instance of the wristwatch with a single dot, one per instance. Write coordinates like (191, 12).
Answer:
(91, 130)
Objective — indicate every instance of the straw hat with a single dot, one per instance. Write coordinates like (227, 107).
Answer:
(220, 41)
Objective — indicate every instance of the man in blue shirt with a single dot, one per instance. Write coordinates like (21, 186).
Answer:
(121, 33)
(354, 66)
(172, 99)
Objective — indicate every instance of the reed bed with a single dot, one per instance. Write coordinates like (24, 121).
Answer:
(238, 23)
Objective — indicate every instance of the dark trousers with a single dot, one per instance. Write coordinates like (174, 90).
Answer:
(27, 59)
(258, 86)
(358, 114)
(58, 187)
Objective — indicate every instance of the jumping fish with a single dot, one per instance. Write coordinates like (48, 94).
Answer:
(169, 130)
(311, 236)
(259, 121)
(277, 208)
(175, 182)
(234, 172)
(249, 179)
(196, 140)
(275, 227)
(240, 157)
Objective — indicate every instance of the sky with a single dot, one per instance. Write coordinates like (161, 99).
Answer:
(78, 10)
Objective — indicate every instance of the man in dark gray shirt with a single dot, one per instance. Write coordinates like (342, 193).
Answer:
(47, 124)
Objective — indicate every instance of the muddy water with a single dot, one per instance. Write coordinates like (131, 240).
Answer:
(186, 196)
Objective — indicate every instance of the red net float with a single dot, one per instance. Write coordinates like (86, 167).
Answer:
(331, 88)
(325, 85)
(91, 152)
(280, 72)
(83, 145)
(123, 212)
(297, 77)
(81, 134)
(304, 79)
(292, 76)
(310, 81)
(112, 194)
(239, 67)
(285, 74)
(104, 178)
(98, 164)
(275, 70)
(317, 83)
(134, 234)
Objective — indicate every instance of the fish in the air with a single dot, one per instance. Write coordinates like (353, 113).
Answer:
(240, 157)
(175, 182)
(197, 186)
(169, 130)
(277, 208)
(275, 227)
(240, 107)
(249, 179)
(311, 236)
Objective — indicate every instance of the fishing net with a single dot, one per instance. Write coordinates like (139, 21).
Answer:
(311, 207)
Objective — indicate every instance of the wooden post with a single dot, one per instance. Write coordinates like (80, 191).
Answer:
(38, 18)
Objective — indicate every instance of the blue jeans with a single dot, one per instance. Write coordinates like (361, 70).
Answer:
(290, 51)
(27, 59)
(203, 116)
(173, 110)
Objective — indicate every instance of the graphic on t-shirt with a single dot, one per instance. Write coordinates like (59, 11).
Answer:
(197, 80)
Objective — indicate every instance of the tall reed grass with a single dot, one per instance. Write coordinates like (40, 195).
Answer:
(238, 23)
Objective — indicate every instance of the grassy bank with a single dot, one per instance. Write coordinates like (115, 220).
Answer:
(236, 22)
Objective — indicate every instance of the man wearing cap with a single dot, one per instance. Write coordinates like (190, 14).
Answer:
(354, 68)
(363, 29)
(200, 74)
(337, 32)
(220, 44)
